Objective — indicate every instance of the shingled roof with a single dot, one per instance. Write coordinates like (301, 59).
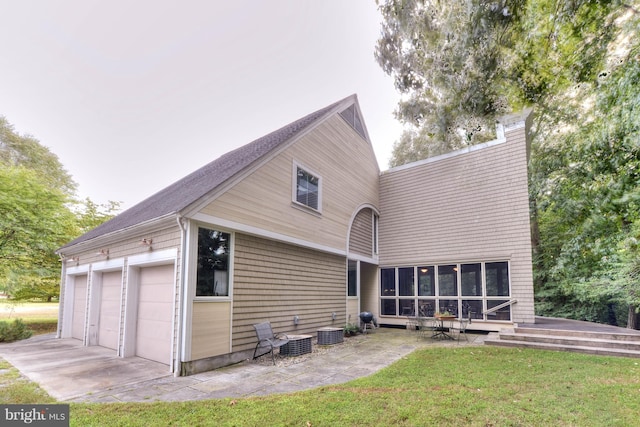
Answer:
(188, 190)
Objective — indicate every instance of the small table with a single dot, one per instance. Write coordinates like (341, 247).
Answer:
(439, 331)
(297, 345)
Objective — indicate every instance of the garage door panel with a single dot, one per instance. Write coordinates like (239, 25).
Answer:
(79, 307)
(155, 313)
(108, 335)
(154, 329)
(111, 290)
(156, 293)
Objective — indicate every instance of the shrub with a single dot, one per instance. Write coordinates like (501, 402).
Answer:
(14, 331)
(351, 329)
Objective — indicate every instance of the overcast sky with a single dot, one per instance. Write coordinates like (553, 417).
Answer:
(133, 95)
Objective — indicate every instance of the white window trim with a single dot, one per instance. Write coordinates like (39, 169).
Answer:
(294, 188)
(193, 250)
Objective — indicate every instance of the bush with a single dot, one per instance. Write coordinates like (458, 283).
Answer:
(14, 331)
(350, 329)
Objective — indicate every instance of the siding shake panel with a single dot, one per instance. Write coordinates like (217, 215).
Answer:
(275, 281)
(472, 206)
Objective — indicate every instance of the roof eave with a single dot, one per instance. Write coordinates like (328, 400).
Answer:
(117, 236)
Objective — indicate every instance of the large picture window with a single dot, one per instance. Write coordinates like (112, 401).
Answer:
(212, 278)
(426, 281)
(388, 279)
(448, 280)
(307, 188)
(497, 279)
(471, 279)
(461, 289)
(405, 282)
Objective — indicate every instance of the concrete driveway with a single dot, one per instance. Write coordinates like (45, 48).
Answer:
(66, 369)
(73, 373)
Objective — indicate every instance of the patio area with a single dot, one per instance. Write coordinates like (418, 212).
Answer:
(47, 361)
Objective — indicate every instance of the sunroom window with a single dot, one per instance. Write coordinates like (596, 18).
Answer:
(461, 289)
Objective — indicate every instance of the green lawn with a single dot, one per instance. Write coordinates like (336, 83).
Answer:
(40, 317)
(476, 386)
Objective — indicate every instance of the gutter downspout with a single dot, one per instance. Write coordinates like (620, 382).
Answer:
(183, 239)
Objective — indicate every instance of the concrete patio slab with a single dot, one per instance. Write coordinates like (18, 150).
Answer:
(71, 372)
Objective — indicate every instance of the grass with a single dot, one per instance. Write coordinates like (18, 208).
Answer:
(40, 317)
(14, 388)
(474, 386)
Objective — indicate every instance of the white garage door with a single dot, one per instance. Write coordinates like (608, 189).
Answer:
(79, 306)
(109, 310)
(155, 313)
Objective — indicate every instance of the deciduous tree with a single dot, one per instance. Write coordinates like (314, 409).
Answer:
(38, 214)
(576, 62)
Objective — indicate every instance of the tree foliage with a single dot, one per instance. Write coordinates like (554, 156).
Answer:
(576, 62)
(38, 214)
(89, 214)
(34, 222)
(588, 197)
(26, 151)
(447, 59)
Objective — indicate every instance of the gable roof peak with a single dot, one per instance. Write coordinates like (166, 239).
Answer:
(185, 192)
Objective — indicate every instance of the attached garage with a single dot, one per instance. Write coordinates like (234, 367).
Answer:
(109, 319)
(155, 313)
(79, 306)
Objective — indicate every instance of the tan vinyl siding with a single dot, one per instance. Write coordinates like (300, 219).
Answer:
(353, 310)
(469, 207)
(369, 293)
(361, 235)
(211, 329)
(163, 239)
(274, 282)
(339, 156)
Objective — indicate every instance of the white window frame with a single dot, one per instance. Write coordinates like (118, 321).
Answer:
(193, 269)
(294, 188)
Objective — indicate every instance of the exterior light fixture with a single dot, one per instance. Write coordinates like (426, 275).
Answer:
(103, 252)
(147, 242)
(296, 320)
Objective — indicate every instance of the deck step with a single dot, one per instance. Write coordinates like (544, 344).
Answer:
(618, 336)
(609, 344)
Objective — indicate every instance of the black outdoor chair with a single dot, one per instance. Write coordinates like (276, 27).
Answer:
(267, 340)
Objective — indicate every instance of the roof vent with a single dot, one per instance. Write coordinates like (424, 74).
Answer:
(351, 116)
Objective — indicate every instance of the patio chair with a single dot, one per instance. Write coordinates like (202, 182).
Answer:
(462, 328)
(412, 319)
(267, 340)
(426, 326)
(412, 323)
